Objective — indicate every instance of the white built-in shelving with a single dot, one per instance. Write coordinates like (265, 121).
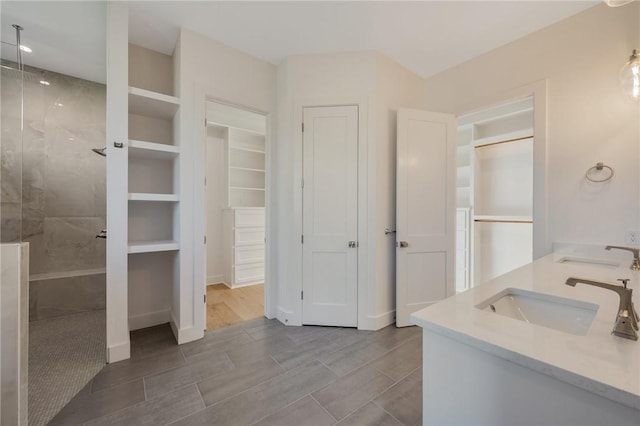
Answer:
(152, 246)
(151, 150)
(152, 104)
(495, 180)
(141, 196)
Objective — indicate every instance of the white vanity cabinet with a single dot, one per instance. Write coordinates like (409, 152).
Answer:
(243, 236)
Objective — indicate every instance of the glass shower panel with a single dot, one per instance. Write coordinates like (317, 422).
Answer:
(11, 95)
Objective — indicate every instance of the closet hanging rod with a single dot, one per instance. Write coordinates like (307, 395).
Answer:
(503, 220)
(506, 141)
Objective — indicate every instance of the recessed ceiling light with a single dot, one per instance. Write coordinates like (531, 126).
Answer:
(44, 82)
(59, 104)
(25, 48)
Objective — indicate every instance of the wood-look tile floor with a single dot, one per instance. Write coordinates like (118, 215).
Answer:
(259, 372)
(227, 306)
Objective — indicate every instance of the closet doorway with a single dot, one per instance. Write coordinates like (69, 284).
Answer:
(235, 188)
(495, 176)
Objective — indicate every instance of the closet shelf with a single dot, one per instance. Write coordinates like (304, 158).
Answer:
(503, 138)
(246, 169)
(245, 188)
(504, 219)
(142, 196)
(152, 104)
(239, 148)
(142, 149)
(152, 246)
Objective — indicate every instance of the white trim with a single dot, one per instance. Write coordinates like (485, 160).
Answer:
(377, 322)
(148, 319)
(288, 317)
(118, 352)
(215, 279)
(184, 335)
(362, 102)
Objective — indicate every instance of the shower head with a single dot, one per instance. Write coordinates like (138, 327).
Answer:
(100, 151)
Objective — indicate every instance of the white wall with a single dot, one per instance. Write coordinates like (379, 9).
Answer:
(208, 69)
(588, 119)
(347, 78)
(215, 168)
(380, 86)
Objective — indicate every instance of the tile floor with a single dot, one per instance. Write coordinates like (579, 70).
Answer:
(259, 372)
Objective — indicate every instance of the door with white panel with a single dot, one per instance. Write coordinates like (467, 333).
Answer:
(330, 212)
(425, 210)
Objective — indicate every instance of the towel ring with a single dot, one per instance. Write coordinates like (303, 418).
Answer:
(598, 168)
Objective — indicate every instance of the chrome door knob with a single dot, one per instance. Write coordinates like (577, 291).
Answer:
(353, 244)
(403, 244)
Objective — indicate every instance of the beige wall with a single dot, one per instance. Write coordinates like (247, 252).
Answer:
(589, 119)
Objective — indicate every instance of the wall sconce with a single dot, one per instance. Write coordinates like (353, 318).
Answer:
(630, 76)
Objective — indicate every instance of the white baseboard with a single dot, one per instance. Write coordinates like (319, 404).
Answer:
(287, 317)
(136, 322)
(118, 352)
(215, 279)
(184, 335)
(377, 322)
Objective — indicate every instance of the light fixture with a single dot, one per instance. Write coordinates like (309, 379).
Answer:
(44, 82)
(630, 76)
(25, 48)
(616, 3)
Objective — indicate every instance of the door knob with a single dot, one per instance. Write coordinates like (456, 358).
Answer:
(403, 244)
(353, 244)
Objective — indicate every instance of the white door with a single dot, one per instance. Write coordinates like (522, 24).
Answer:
(330, 212)
(425, 211)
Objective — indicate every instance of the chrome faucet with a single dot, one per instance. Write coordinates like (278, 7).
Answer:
(626, 325)
(635, 266)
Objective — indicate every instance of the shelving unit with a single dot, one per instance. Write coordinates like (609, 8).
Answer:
(495, 172)
(243, 220)
(153, 192)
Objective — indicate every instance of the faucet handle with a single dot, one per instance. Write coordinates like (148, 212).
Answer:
(624, 281)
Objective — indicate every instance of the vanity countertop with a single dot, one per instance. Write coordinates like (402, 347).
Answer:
(598, 361)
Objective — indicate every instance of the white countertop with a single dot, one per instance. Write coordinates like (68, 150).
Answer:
(598, 362)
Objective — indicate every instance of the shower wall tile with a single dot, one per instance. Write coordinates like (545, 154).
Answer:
(11, 222)
(70, 243)
(68, 295)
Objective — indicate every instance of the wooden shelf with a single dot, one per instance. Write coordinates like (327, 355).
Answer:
(141, 196)
(152, 246)
(502, 219)
(142, 149)
(152, 104)
(503, 138)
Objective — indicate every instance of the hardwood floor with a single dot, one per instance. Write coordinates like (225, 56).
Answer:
(259, 372)
(227, 306)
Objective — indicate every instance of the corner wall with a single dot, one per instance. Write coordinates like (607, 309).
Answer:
(589, 120)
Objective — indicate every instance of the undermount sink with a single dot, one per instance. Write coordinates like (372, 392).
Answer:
(567, 315)
(578, 260)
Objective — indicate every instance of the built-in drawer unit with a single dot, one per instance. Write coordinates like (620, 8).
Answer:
(244, 232)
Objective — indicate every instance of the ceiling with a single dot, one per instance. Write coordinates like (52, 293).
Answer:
(425, 36)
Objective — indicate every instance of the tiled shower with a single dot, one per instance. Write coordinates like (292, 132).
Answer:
(53, 188)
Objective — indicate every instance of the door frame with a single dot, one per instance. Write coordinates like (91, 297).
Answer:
(199, 213)
(295, 317)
